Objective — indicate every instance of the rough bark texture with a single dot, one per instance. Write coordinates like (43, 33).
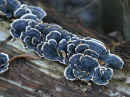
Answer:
(43, 78)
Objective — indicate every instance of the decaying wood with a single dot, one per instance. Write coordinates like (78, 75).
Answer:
(24, 79)
(43, 78)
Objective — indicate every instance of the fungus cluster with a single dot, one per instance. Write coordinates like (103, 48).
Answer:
(81, 55)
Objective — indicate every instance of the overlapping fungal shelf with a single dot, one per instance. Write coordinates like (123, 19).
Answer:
(3, 62)
(81, 55)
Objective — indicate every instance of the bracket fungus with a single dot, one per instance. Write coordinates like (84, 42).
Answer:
(53, 35)
(102, 75)
(31, 38)
(114, 61)
(50, 50)
(51, 41)
(30, 16)
(19, 25)
(9, 6)
(22, 10)
(4, 62)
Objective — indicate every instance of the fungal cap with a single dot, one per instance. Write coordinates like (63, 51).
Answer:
(3, 62)
(71, 48)
(62, 46)
(17, 27)
(99, 48)
(91, 53)
(102, 75)
(13, 4)
(53, 35)
(31, 38)
(81, 47)
(39, 49)
(114, 61)
(68, 73)
(83, 75)
(88, 63)
(30, 16)
(49, 50)
(40, 13)
(98, 41)
(75, 59)
(22, 10)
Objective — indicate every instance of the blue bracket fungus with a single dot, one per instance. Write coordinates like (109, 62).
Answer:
(4, 62)
(81, 55)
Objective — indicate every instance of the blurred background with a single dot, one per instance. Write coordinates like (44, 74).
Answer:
(109, 17)
(106, 20)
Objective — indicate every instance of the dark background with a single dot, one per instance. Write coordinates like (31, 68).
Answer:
(106, 20)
